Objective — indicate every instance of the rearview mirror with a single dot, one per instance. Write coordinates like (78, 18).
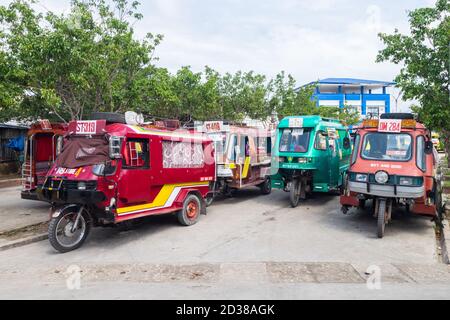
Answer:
(115, 145)
(347, 143)
(429, 147)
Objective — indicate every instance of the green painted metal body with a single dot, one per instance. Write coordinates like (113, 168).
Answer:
(323, 163)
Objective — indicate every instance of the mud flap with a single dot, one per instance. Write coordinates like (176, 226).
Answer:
(203, 212)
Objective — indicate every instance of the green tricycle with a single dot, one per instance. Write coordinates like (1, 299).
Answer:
(311, 154)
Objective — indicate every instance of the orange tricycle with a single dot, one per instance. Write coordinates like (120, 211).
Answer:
(393, 163)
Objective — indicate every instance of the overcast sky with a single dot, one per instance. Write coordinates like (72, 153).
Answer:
(310, 39)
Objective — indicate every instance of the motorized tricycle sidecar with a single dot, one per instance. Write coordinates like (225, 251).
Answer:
(311, 154)
(42, 146)
(112, 173)
(242, 155)
(393, 163)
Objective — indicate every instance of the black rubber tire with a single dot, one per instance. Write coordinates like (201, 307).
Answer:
(126, 225)
(182, 215)
(266, 186)
(399, 116)
(111, 117)
(294, 193)
(230, 192)
(52, 232)
(381, 219)
(209, 200)
(439, 203)
(408, 208)
(362, 204)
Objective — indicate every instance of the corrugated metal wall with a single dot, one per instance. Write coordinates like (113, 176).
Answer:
(6, 154)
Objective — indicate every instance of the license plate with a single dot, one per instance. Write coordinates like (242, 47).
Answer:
(390, 125)
(86, 127)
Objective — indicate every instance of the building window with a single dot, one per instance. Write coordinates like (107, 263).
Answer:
(373, 111)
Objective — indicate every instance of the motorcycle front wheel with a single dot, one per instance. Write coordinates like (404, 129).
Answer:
(64, 236)
(294, 193)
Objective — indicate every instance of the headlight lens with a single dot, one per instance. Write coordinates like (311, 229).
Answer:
(98, 169)
(302, 160)
(404, 181)
(381, 177)
(361, 177)
(81, 186)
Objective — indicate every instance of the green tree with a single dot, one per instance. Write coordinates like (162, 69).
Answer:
(286, 100)
(346, 114)
(66, 66)
(241, 95)
(349, 116)
(424, 55)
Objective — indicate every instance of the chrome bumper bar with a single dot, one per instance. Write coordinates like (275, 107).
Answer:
(387, 191)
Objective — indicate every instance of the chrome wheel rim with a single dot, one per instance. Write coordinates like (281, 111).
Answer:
(64, 235)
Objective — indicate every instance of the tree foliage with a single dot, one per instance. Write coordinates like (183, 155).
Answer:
(424, 55)
(64, 67)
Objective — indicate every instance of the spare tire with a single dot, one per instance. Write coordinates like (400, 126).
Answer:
(397, 116)
(111, 117)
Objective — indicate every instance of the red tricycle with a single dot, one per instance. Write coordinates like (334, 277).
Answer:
(393, 163)
(110, 173)
(42, 145)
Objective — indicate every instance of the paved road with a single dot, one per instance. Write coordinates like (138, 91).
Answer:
(248, 247)
(16, 213)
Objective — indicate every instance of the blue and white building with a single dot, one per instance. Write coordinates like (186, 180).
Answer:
(368, 97)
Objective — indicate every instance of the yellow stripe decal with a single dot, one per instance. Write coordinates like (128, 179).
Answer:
(161, 199)
(246, 167)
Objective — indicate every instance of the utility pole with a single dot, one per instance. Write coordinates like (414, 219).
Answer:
(396, 98)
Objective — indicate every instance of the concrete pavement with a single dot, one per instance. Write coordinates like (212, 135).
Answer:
(21, 221)
(248, 247)
(16, 213)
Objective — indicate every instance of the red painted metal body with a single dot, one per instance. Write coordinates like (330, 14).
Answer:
(153, 174)
(40, 153)
(424, 203)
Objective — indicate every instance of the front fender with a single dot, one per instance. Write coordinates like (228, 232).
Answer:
(56, 212)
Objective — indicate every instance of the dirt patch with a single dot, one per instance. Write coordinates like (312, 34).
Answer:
(9, 177)
(295, 272)
(149, 273)
(24, 232)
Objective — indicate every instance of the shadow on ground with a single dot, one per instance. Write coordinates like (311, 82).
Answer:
(362, 221)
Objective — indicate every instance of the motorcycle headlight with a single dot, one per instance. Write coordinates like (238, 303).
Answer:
(305, 160)
(381, 177)
(98, 169)
(361, 177)
(81, 186)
